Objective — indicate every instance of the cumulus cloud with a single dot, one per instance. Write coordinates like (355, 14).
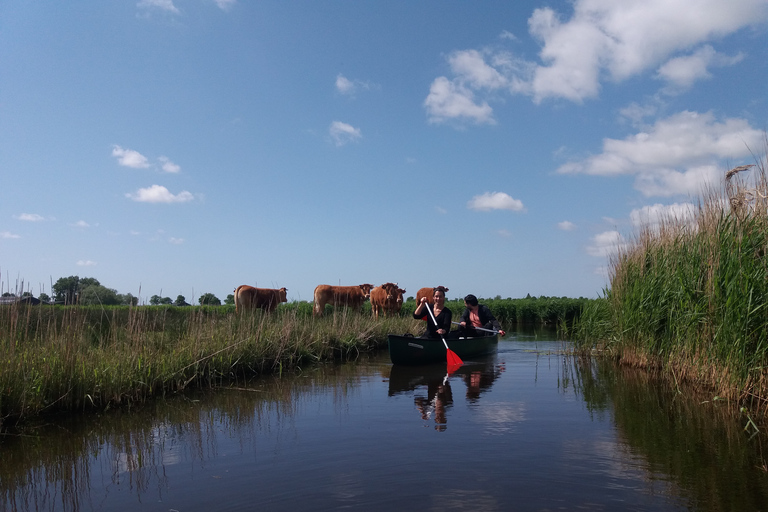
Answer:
(677, 155)
(451, 100)
(29, 217)
(601, 40)
(159, 194)
(566, 225)
(8, 235)
(129, 158)
(495, 201)
(169, 166)
(683, 72)
(605, 244)
(163, 5)
(343, 133)
(176, 241)
(86, 263)
(652, 216)
(81, 224)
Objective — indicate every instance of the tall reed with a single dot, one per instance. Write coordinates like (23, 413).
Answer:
(691, 296)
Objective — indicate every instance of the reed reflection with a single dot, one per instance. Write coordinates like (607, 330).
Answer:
(477, 377)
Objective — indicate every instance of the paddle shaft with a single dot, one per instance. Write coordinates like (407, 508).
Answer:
(480, 328)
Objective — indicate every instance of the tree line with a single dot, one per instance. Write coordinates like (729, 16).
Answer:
(88, 291)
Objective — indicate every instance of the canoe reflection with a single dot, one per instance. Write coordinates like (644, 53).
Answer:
(477, 377)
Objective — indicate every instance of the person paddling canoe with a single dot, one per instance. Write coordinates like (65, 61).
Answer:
(443, 314)
(477, 316)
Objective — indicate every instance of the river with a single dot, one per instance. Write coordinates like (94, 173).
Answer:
(531, 428)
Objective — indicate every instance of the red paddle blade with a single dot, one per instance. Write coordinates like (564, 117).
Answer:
(452, 358)
(452, 368)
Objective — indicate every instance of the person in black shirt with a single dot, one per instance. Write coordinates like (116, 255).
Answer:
(443, 315)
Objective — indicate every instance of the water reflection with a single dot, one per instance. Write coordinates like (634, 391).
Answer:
(548, 430)
(432, 386)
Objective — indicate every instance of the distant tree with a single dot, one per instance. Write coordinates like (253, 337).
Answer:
(127, 299)
(27, 294)
(180, 301)
(230, 300)
(209, 299)
(97, 295)
(157, 300)
(8, 294)
(66, 289)
(44, 298)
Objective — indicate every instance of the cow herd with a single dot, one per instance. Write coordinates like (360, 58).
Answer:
(386, 299)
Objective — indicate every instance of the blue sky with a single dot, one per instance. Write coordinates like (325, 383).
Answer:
(180, 147)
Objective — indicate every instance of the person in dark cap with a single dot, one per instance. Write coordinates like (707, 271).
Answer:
(477, 316)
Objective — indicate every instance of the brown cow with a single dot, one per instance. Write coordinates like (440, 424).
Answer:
(426, 292)
(267, 299)
(347, 296)
(398, 305)
(383, 299)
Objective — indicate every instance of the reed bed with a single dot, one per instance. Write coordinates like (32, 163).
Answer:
(690, 296)
(70, 358)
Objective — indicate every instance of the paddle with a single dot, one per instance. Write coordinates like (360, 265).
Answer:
(482, 329)
(450, 356)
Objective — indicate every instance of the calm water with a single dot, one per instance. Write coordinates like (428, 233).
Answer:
(527, 429)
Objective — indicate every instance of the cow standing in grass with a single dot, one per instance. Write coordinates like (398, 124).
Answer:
(344, 296)
(384, 299)
(266, 299)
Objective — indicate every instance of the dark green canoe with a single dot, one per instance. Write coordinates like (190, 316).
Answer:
(411, 351)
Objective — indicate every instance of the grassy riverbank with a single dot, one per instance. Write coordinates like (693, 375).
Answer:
(72, 358)
(690, 297)
(75, 358)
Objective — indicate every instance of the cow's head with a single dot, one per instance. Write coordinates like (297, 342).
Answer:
(281, 294)
(400, 293)
(366, 289)
(391, 289)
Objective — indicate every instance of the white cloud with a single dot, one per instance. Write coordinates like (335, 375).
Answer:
(652, 216)
(343, 133)
(129, 158)
(441, 210)
(225, 5)
(450, 100)
(472, 70)
(635, 112)
(81, 224)
(8, 234)
(159, 194)
(605, 244)
(495, 201)
(86, 263)
(350, 87)
(163, 5)
(668, 182)
(504, 233)
(682, 72)
(176, 241)
(677, 155)
(29, 217)
(601, 40)
(169, 166)
(566, 225)
(344, 86)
